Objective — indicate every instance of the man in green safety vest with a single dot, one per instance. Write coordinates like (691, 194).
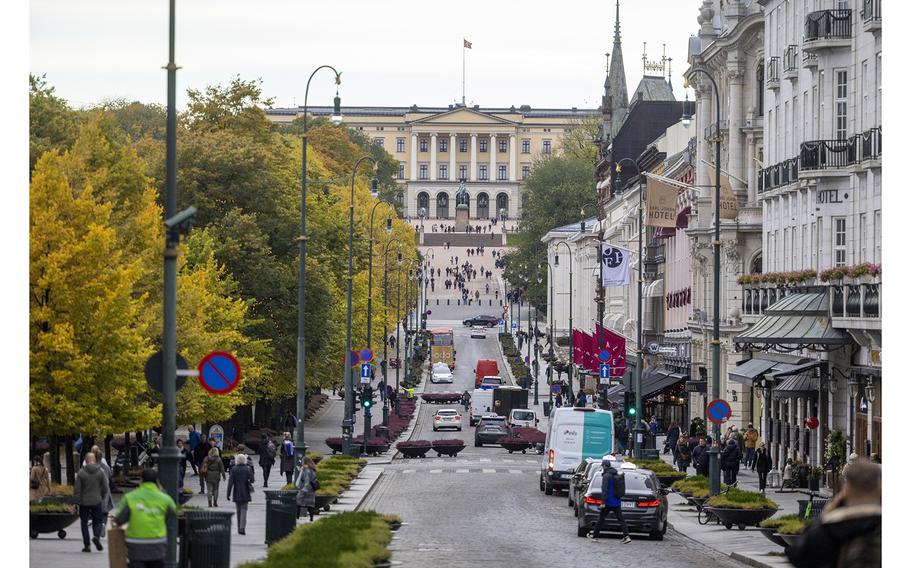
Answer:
(145, 511)
(409, 392)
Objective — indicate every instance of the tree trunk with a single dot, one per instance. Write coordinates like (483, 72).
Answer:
(55, 458)
(127, 449)
(68, 450)
(107, 450)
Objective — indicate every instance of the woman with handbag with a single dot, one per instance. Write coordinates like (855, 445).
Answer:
(39, 479)
(307, 485)
(240, 488)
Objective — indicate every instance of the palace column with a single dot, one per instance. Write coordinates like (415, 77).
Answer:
(413, 151)
(473, 176)
(433, 157)
(512, 157)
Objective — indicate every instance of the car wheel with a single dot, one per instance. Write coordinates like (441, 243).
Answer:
(478, 443)
(540, 480)
(582, 530)
(656, 535)
(459, 428)
(434, 429)
(547, 488)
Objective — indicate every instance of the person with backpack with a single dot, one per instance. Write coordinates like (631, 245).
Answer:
(267, 454)
(287, 457)
(729, 461)
(612, 490)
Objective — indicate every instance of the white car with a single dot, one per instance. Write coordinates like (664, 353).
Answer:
(478, 332)
(446, 418)
(441, 374)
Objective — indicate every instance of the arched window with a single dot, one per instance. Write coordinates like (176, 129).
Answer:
(502, 205)
(442, 206)
(423, 201)
(760, 90)
(483, 206)
(755, 267)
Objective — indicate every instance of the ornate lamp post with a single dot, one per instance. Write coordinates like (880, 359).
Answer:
(571, 326)
(385, 329)
(299, 444)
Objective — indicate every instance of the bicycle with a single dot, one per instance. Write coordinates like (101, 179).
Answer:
(705, 516)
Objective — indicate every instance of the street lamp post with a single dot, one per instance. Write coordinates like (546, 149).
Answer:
(388, 229)
(347, 426)
(385, 329)
(299, 443)
(713, 453)
(601, 291)
(552, 365)
(571, 327)
(398, 324)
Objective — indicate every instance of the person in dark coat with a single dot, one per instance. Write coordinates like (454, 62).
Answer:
(199, 454)
(729, 461)
(214, 474)
(267, 454)
(287, 457)
(672, 439)
(683, 457)
(700, 458)
(612, 501)
(90, 491)
(240, 488)
(849, 531)
(307, 485)
(762, 465)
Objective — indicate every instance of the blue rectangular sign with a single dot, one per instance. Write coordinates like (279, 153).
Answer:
(366, 371)
(604, 371)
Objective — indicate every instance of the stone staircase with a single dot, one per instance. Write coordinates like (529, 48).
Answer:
(462, 239)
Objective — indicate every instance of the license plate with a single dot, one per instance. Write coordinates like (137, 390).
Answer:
(628, 504)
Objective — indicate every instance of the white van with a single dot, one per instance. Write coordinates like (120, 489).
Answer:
(573, 435)
(523, 418)
(481, 403)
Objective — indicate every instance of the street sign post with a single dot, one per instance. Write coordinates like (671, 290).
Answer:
(216, 432)
(556, 389)
(219, 372)
(719, 411)
(514, 325)
(604, 374)
(366, 373)
(153, 371)
(605, 356)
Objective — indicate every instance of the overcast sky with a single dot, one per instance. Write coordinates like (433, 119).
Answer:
(390, 52)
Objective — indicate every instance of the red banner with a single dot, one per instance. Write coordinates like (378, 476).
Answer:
(616, 345)
(577, 347)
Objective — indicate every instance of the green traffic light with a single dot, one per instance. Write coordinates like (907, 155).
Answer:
(631, 412)
(367, 403)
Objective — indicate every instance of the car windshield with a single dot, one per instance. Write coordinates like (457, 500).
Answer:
(492, 380)
(441, 368)
(635, 482)
(523, 415)
(494, 420)
(446, 412)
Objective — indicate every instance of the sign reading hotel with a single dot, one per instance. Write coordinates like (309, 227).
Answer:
(660, 204)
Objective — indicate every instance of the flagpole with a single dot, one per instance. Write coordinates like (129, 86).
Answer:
(463, 48)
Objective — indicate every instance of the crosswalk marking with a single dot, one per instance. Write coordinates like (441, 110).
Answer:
(409, 471)
(461, 471)
(514, 471)
(484, 460)
(435, 471)
(489, 471)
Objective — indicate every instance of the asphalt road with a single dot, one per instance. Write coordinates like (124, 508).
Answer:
(485, 506)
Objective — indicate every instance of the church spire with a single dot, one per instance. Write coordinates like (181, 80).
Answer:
(618, 89)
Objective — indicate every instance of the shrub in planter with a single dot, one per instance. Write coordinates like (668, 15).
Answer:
(778, 522)
(739, 499)
(51, 507)
(414, 448)
(448, 446)
(657, 466)
(532, 435)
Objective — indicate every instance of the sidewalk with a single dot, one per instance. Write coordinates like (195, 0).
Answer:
(749, 546)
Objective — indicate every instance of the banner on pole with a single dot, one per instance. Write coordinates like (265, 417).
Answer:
(615, 267)
(728, 206)
(660, 204)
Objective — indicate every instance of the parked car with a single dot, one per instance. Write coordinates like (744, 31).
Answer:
(441, 374)
(490, 429)
(446, 418)
(573, 435)
(583, 475)
(478, 332)
(486, 321)
(644, 505)
(523, 418)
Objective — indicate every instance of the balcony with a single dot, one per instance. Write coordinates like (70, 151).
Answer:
(847, 300)
(870, 144)
(791, 62)
(772, 73)
(810, 60)
(827, 154)
(711, 132)
(872, 15)
(778, 175)
(828, 29)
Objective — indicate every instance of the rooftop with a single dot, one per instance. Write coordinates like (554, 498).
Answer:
(523, 110)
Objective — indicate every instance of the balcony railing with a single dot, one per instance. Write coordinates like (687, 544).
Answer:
(810, 59)
(872, 10)
(846, 300)
(828, 24)
(791, 59)
(778, 175)
(711, 132)
(828, 154)
(772, 73)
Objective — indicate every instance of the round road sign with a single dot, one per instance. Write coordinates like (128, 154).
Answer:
(556, 389)
(719, 411)
(219, 372)
(605, 355)
(366, 355)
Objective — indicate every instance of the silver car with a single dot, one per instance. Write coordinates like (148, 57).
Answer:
(441, 374)
(446, 418)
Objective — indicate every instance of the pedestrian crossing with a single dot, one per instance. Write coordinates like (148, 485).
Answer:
(460, 471)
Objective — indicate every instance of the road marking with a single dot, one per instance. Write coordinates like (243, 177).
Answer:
(484, 459)
(461, 471)
(489, 471)
(435, 471)
(508, 460)
(514, 471)
(409, 471)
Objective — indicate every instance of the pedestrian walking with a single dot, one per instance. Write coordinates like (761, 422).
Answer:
(307, 486)
(849, 531)
(213, 470)
(683, 457)
(750, 439)
(612, 490)
(267, 454)
(199, 454)
(192, 440)
(729, 461)
(240, 488)
(183, 457)
(466, 400)
(290, 422)
(287, 458)
(700, 457)
(39, 479)
(146, 511)
(90, 491)
(672, 439)
(763, 465)
(107, 505)
(581, 400)
(653, 427)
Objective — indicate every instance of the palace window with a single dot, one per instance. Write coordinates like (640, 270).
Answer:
(443, 144)
(483, 173)
(400, 170)
(424, 172)
(546, 146)
(462, 171)
(503, 174)
(483, 144)
(525, 171)
(443, 171)
(399, 145)
(503, 145)
(525, 146)
(462, 144)
(424, 144)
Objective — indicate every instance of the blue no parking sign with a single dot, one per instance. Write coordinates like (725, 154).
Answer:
(219, 372)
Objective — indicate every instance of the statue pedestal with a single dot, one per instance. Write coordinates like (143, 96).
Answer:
(461, 217)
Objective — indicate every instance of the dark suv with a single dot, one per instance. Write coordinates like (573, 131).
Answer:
(490, 429)
(644, 506)
(488, 321)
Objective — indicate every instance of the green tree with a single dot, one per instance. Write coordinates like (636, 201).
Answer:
(579, 141)
(555, 194)
(52, 123)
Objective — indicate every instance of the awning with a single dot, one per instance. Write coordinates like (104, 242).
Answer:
(799, 380)
(748, 370)
(654, 289)
(798, 321)
(653, 380)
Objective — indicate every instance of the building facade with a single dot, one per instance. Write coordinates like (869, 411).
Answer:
(490, 150)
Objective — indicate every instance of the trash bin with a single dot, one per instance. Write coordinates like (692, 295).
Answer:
(546, 408)
(814, 506)
(280, 515)
(208, 535)
(383, 432)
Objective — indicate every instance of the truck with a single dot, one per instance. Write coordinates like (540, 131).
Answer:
(485, 368)
(508, 398)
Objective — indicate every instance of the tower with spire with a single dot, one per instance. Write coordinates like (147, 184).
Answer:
(618, 94)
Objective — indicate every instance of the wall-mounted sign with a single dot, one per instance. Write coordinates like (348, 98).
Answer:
(827, 196)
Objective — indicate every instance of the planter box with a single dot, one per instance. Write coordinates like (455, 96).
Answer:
(789, 539)
(516, 446)
(184, 497)
(447, 449)
(771, 534)
(742, 518)
(324, 502)
(40, 523)
(666, 479)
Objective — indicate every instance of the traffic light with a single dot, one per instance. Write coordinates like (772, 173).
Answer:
(366, 398)
(629, 403)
